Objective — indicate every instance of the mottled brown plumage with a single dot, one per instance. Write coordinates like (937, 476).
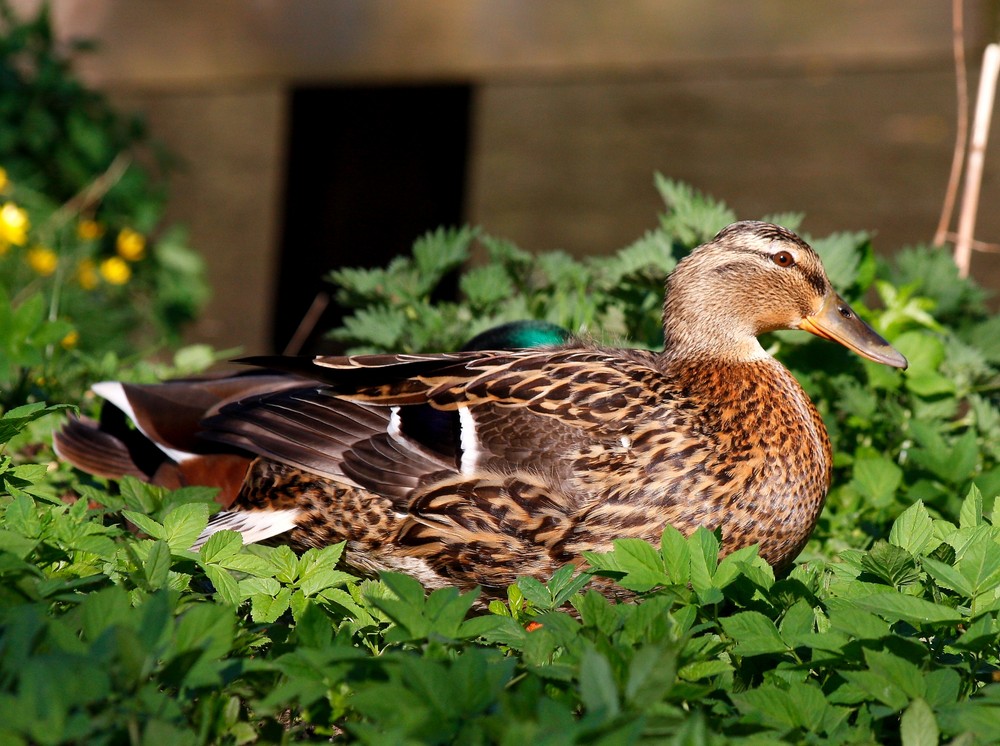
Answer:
(478, 467)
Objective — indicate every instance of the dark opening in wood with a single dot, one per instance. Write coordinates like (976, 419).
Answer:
(369, 170)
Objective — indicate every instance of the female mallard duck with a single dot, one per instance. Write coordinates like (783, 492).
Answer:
(548, 451)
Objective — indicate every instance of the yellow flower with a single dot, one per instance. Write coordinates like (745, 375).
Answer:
(86, 274)
(88, 230)
(115, 270)
(70, 340)
(13, 224)
(130, 245)
(43, 260)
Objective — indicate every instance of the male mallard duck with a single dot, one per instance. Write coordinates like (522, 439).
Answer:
(549, 451)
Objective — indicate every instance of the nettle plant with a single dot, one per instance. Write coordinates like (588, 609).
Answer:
(112, 635)
(87, 265)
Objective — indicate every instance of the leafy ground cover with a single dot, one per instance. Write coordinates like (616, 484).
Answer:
(885, 632)
(112, 631)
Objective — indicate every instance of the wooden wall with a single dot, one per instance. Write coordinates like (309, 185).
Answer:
(843, 109)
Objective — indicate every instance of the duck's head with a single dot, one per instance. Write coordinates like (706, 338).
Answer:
(754, 278)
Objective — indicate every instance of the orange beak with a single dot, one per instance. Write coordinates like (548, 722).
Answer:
(836, 321)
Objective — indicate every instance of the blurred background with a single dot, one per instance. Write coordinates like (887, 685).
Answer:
(320, 133)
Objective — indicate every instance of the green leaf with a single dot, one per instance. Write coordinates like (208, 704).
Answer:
(980, 566)
(103, 609)
(266, 609)
(482, 626)
(841, 255)
(598, 690)
(797, 622)
(535, 592)
(406, 588)
(486, 286)
(17, 544)
(934, 274)
(878, 688)
(942, 686)
(797, 707)
(964, 538)
(969, 718)
(284, 562)
(914, 530)
(566, 582)
(703, 548)
(744, 562)
(897, 669)
(379, 326)
(924, 352)
(651, 675)
(895, 606)
(704, 669)
(220, 546)
(877, 479)
(15, 420)
(226, 587)
(947, 576)
(753, 633)
(251, 586)
(674, 551)
(789, 220)
(21, 515)
(312, 628)
(892, 564)
(251, 564)
(207, 628)
(971, 514)
(184, 524)
(691, 216)
(650, 257)
(642, 564)
(439, 252)
(141, 496)
(156, 566)
(146, 524)
(955, 463)
(979, 635)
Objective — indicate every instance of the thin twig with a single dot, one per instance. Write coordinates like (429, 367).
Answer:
(87, 197)
(308, 324)
(977, 155)
(961, 121)
(976, 245)
(92, 193)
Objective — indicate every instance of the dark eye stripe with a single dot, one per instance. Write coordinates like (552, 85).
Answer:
(817, 280)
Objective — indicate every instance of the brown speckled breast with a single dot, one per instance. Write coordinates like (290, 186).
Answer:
(742, 447)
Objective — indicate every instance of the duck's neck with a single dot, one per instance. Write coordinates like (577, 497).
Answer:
(690, 340)
(683, 350)
(705, 327)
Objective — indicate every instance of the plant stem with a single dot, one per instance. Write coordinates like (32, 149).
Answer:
(961, 124)
(91, 194)
(977, 155)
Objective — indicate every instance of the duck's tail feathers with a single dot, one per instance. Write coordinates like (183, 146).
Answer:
(83, 443)
(254, 525)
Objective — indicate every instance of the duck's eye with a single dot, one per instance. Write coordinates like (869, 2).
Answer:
(783, 259)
